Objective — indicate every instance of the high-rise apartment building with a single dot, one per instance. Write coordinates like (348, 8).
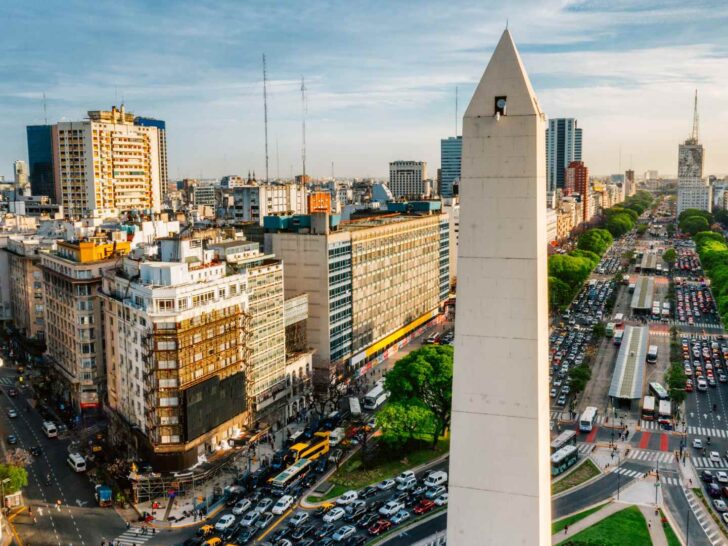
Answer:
(407, 178)
(693, 191)
(563, 145)
(630, 184)
(74, 323)
(370, 282)
(107, 164)
(20, 172)
(252, 203)
(451, 153)
(161, 127)
(40, 160)
(577, 178)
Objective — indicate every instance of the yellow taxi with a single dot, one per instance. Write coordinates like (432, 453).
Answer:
(214, 541)
(205, 530)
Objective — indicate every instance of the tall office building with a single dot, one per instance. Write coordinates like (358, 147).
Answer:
(693, 191)
(563, 145)
(107, 165)
(161, 127)
(451, 153)
(40, 160)
(499, 450)
(252, 202)
(407, 178)
(630, 185)
(20, 172)
(577, 178)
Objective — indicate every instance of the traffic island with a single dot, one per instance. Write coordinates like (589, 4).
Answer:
(581, 474)
(627, 526)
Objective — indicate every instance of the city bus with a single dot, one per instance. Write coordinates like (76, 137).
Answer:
(652, 354)
(665, 412)
(587, 419)
(564, 459)
(659, 391)
(566, 438)
(618, 335)
(311, 450)
(374, 398)
(648, 408)
(290, 477)
(610, 329)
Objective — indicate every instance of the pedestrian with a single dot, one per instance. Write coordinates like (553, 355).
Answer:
(128, 524)
(649, 525)
(566, 529)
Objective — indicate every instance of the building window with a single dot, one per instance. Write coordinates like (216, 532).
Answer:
(165, 305)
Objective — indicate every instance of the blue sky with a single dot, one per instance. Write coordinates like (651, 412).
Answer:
(380, 76)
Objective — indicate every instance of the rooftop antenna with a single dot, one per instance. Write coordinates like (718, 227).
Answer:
(696, 120)
(265, 116)
(278, 162)
(303, 128)
(456, 111)
(45, 109)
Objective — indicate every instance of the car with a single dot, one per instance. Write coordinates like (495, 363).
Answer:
(357, 540)
(367, 521)
(302, 531)
(307, 542)
(418, 491)
(385, 485)
(561, 401)
(12, 439)
(722, 477)
(347, 498)
(436, 492)
(404, 476)
(714, 491)
(283, 504)
(12, 413)
(553, 393)
(381, 526)
(205, 530)
(720, 506)
(724, 515)
(714, 457)
(264, 520)
(698, 443)
(343, 533)
(225, 522)
(325, 530)
(36, 451)
(367, 492)
(249, 519)
(12, 392)
(335, 514)
(325, 507)
(214, 541)
(355, 513)
(441, 500)
(264, 504)
(246, 534)
(242, 506)
(400, 517)
(391, 508)
(299, 518)
(281, 533)
(424, 506)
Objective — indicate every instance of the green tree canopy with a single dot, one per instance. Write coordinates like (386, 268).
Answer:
(560, 294)
(670, 256)
(595, 240)
(424, 377)
(580, 376)
(402, 422)
(694, 224)
(619, 224)
(687, 213)
(17, 475)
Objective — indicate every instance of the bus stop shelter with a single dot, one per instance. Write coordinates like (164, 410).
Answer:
(644, 293)
(629, 371)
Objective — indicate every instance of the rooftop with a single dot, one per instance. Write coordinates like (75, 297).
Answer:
(629, 371)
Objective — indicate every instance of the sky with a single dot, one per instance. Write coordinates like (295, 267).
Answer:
(380, 76)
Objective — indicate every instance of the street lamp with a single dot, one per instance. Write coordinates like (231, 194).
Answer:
(2, 488)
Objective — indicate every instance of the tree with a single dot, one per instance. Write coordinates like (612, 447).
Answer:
(676, 381)
(424, 377)
(670, 230)
(688, 213)
(401, 422)
(18, 457)
(580, 376)
(619, 224)
(670, 257)
(560, 294)
(694, 225)
(599, 330)
(17, 475)
(595, 240)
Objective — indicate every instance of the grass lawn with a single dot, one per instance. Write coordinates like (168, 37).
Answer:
(627, 526)
(572, 519)
(672, 539)
(353, 475)
(585, 471)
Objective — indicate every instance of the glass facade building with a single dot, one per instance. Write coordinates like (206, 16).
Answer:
(40, 160)
(451, 153)
(563, 145)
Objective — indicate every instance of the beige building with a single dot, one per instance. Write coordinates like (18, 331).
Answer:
(383, 277)
(107, 164)
(407, 178)
(74, 323)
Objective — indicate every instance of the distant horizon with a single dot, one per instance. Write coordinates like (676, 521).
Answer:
(377, 90)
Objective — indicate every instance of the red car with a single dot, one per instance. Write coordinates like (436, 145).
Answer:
(380, 527)
(424, 506)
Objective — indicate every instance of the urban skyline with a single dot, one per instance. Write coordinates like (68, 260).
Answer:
(629, 86)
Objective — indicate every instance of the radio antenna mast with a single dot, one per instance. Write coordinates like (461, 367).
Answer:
(303, 128)
(265, 116)
(696, 120)
(45, 109)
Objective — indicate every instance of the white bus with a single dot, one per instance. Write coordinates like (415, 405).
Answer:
(374, 398)
(587, 419)
(609, 331)
(665, 411)
(652, 354)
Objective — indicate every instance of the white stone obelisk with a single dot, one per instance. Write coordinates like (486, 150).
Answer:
(499, 457)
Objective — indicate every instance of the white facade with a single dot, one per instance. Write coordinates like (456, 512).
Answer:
(551, 232)
(499, 451)
(693, 192)
(695, 196)
(252, 203)
(407, 178)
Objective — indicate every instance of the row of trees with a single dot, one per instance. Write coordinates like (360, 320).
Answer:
(622, 218)
(713, 251)
(567, 272)
(675, 375)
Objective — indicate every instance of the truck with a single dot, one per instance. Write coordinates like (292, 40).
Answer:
(102, 494)
(337, 435)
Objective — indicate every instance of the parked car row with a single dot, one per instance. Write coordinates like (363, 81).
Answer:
(705, 362)
(694, 303)
(567, 348)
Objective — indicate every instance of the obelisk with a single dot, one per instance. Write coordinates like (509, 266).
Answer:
(499, 457)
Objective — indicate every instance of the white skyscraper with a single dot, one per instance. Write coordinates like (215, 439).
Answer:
(500, 490)
(693, 191)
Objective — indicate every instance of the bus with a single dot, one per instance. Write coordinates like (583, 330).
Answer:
(564, 459)
(619, 319)
(659, 391)
(311, 450)
(610, 329)
(652, 354)
(290, 477)
(587, 419)
(618, 335)
(374, 398)
(566, 438)
(665, 412)
(648, 408)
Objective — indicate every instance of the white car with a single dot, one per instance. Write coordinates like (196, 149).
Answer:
(404, 476)
(400, 517)
(722, 477)
(347, 498)
(441, 500)
(725, 517)
(343, 533)
(386, 484)
(720, 506)
(225, 522)
(283, 504)
(335, 514)
(299, 518)
(391, 508)
(714, 457)
(12, 413)
(697, 443)
(242, 506)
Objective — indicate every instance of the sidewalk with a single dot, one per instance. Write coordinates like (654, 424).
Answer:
(654, 524)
